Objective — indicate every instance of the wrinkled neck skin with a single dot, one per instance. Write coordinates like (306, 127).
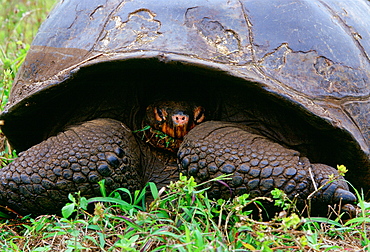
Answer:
(163, 129)
(157, 166)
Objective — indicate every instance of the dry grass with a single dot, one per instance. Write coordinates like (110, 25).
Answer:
(181, 219)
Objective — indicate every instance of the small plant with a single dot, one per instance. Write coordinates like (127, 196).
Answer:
(7, 155)
(342, 170)
(19, 21)
(147, 127)
(181, 217)
(353, 233)
(161, 137)
(282, 200)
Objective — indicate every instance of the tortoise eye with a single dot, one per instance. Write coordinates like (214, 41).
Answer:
(199, 114)
(159, 114)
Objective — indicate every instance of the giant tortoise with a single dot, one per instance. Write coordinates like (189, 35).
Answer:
(274, 93)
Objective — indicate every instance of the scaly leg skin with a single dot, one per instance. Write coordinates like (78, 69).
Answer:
(41, 178)
(258, 165)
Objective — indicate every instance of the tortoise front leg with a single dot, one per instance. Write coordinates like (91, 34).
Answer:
(41, 178)
(258, 165)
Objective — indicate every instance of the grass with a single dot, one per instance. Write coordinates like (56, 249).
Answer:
(180, 218)
(19, 22)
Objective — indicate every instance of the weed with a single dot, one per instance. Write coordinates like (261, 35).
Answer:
(162, 138)
(181, 217)
(19, 21)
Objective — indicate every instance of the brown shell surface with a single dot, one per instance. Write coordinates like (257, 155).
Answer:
(312, 53)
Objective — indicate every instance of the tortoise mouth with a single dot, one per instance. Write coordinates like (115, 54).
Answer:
(161, 140)
(123, 89)
(175, 131)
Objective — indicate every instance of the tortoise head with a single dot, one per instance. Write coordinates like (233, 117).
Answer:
(170, 121)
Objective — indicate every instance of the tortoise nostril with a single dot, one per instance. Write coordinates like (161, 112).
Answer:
(180, 119)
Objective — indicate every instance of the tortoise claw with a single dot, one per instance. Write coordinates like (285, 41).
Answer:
(348, 211)
(344, 196)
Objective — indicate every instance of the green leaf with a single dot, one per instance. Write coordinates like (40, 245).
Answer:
(39, 249)
(112, 200)
(153, 190)
(4, 215)
(71, 198)
(102, 188)
(143, 129)
(359, 220)
(125, 190)
(68, 209)
(83, 203)
(101, 239)
(365, 204)
(322, 220)
(140, 197)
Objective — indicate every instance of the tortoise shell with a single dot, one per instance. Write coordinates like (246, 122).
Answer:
(299, 71)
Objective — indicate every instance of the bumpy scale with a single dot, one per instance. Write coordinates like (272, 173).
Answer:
(258, 165)
(40, 180)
